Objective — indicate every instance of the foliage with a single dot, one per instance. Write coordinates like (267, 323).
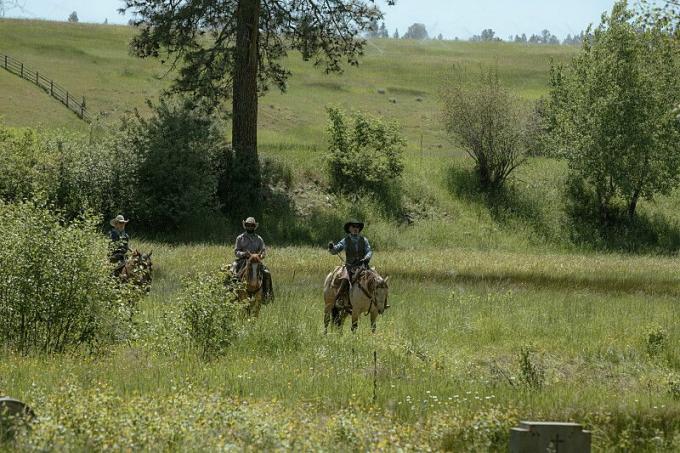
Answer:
(210, 311)
(613, 109)
(73, 17)
(177, 156)
(236, 49)
(322, 32)
(57, 167)
(532, 373)
(487, 121)
(56, 289)
(416, 31)
(364, 153)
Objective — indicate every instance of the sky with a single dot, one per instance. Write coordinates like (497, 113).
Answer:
(451, 18)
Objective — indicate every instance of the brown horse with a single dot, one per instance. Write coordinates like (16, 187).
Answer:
(251, 276)
(137, 270)
(368, 294)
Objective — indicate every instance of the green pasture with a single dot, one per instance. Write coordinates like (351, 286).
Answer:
(449, 346)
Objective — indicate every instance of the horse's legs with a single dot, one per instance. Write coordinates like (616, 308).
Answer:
(257, 303)
(355, 320)
(374, 316)
(326, 319)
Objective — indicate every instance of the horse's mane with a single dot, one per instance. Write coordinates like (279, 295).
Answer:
(373, 280)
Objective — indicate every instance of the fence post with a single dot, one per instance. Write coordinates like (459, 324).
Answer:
(22, 70)
(36, 78)
(82, 108)
(52, 88)
(5, 61)
(67, 99)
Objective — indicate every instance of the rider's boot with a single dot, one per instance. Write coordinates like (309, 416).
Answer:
(342, 296)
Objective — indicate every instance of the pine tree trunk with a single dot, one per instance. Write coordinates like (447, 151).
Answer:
(247, 179)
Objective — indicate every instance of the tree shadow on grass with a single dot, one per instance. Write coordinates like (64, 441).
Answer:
(506, 205)
(645, 234)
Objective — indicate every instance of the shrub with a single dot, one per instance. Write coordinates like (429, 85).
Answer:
(613, 108)
(210, 312)
(532, 373)
(486, 120)
(64, 170)
(178, 155)
(364, 153)
(56, 289)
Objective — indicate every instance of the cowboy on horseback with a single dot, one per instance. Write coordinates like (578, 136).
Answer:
(358, 254)
(247, 244)
(120, 242)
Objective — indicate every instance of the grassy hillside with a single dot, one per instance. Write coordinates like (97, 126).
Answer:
(93, 60)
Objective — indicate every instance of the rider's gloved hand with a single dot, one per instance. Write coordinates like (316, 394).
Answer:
(331, 246)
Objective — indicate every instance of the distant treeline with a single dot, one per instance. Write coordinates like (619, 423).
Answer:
(419, 31)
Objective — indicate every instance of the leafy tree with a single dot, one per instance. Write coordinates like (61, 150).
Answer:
(234, 48)
(486, 120)
(416, 31)
(176, 179)
(614, 112)
(73, 17)
(440, 37)
(521, 39)
(396, 34)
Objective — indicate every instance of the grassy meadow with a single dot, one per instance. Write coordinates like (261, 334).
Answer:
(501, 311)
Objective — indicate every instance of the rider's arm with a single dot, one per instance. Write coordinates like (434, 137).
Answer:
(369, 251)
(239, 250)
(263, 248)
(339, 247)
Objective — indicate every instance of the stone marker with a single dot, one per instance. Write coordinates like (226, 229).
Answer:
(12, 412)
(543, 437)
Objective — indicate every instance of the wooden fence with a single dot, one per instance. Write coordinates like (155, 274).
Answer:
(55, 90)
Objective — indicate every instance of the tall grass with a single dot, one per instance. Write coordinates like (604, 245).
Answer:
(450, 346)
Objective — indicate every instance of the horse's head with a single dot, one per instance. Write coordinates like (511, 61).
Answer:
(254, 258)
(381, 292)
(252, 274)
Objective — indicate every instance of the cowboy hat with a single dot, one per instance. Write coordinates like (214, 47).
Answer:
(118, 219)
(249, 221)
(354, 222)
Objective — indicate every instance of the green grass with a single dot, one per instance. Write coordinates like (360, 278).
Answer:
(475, 281)
(449, 347)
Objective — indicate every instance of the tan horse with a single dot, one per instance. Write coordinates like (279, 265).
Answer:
(251, 276)
(137, 270)
(367, 295)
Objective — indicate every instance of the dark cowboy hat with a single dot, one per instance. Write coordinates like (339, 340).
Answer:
(354, 222)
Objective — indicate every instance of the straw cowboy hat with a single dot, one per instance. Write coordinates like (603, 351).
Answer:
(250, 221)
(354, 222)
(118, 219)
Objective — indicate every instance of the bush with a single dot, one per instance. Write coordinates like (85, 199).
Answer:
(58, 168)
(365, 155)
(178, 153)
(210, 312)
(56, 289)
(487, 122)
